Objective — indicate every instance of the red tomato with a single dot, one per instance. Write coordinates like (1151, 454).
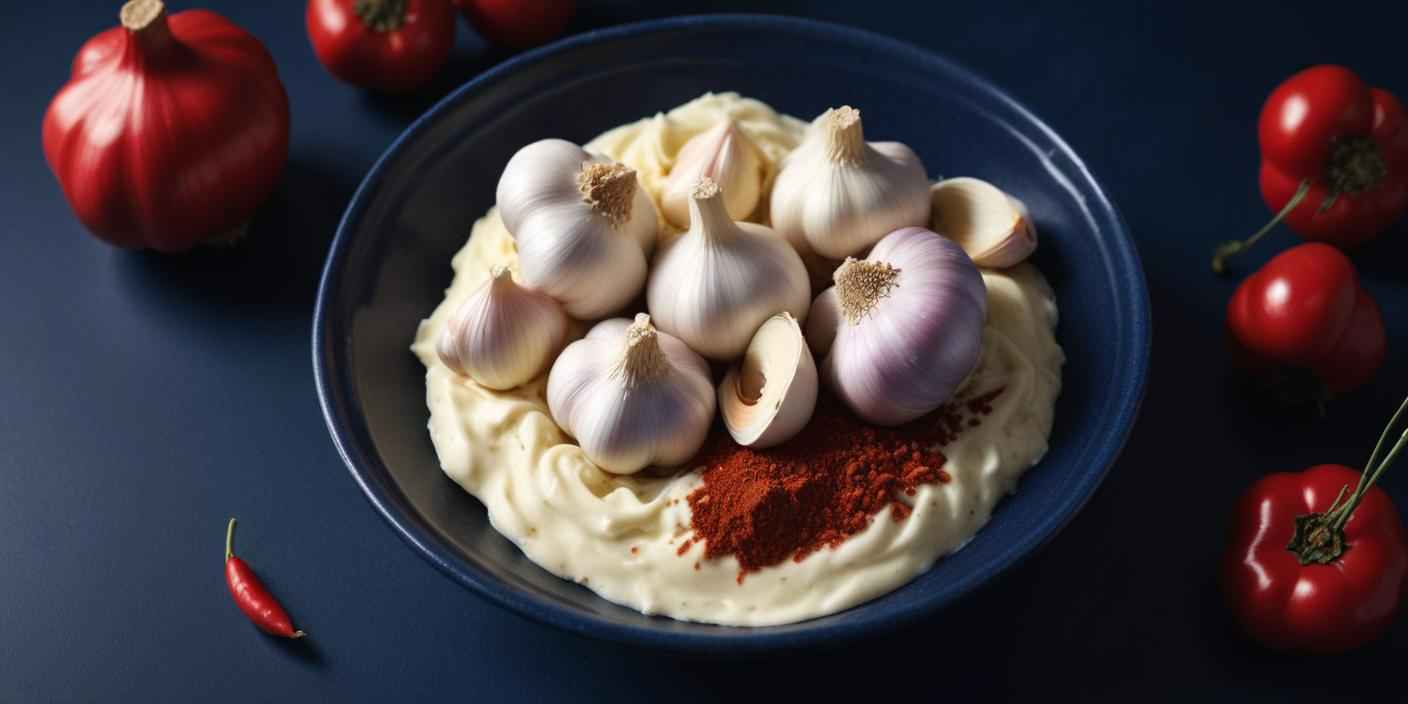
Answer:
(387, 45)
(1327, 128)
(517, 23)
(1345, 594)
(1306, 310)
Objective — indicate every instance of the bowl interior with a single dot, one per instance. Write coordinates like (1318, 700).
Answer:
(390, 265)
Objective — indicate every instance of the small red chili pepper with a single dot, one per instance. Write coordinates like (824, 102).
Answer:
(250, 595)
(1318, 559)
(1334, 159)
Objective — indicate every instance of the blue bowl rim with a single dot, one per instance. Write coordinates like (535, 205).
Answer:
(394, 507)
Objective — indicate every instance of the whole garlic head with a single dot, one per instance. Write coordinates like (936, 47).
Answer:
(908, 324)
(838, 194)
(632, 396)
(724, 154)
(990, 225)
(503, 335)
(714, 285)
(582, 223)
(769, 396)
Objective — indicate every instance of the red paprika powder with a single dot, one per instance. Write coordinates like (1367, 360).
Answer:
(822, 486)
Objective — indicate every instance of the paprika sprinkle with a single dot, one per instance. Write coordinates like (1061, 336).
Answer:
(822, 486)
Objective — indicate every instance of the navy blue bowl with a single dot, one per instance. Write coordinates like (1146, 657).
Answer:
(390, 264)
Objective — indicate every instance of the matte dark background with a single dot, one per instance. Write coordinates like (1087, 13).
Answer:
(144, 399)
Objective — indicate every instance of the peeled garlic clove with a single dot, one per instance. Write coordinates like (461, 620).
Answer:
(838, 194)
(503, 335)
(723, 154)
(632, 396)
(991, 226)
(910, 327)
(769, 396)
(715, 284)
(582, 224)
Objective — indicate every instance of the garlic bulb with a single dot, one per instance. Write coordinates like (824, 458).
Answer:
(770, 394)
(582, 223)
(724, 154)
(991, 226)
(632, 396)
(715, 284)
(908, 323)
(838, 194)
(503, 335)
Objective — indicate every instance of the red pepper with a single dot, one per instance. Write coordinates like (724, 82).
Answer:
(517, 23)
(172, 130)
(387, 45)
(1334, 159)
(1318, 559)
(250, 595)
(1305, 311)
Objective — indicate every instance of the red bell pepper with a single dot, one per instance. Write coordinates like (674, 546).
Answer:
(1318, 559)
(1334, 159)
(1304, 311)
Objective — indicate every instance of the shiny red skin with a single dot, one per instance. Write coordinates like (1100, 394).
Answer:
(1314, 608)
(1306, 310)
(169, 136)
(394, 61)
(255, 600)
(520, 24)
(1298, 127)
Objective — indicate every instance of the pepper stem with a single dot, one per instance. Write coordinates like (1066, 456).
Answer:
(1227, 250)
(230, 540)
(1319, 537)
(381, 15)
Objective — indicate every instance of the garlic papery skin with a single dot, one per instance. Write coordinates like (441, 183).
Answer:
(990, 225)
(503, 335)
(909, 326)
(724, 154)
(632, 396)
(582, 224)
(769, 395)
(838, 194)
(716, 283)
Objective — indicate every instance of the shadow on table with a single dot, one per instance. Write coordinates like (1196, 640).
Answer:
(272, 272)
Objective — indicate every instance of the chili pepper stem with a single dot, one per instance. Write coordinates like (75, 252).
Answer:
(1226, 250)
(230, 540)
(1319, 537)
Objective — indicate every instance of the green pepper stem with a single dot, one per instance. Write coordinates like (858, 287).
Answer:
(230, 540)
(1340, 515)
(1227, 250)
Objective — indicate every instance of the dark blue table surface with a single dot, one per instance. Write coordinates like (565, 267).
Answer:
(144, 399)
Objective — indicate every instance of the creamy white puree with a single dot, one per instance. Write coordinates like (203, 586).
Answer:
(619, 535)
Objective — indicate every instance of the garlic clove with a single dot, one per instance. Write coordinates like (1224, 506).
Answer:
(582, 225)
(837, 194)
(632, 396)
(724, 154)
(715, 285)
(503, 335)
(990, 225)
(769, 395)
